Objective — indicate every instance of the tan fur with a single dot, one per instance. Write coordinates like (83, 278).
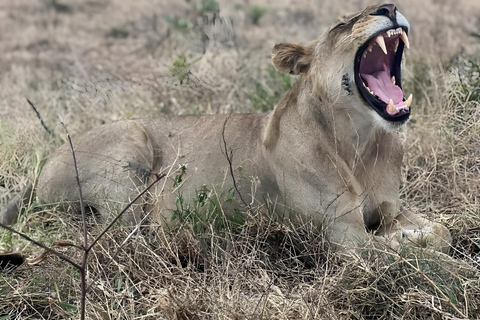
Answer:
(292, 58)
(321, 154)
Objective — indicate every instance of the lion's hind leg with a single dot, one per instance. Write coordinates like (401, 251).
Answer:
(114, 164)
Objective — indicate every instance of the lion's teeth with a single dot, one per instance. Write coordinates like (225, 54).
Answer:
(393, 79)
(408, 102)
(391, 107)
(381, 42)
(393, 32)
(404, 38)
(370, 47)
(366, 87)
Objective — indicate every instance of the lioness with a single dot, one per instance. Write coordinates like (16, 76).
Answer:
(329, 151)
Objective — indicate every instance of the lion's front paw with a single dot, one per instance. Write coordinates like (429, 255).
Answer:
(436, 236)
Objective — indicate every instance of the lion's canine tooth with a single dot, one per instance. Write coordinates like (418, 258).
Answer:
(408, 102)
(381, 42)
(391, 107)
(393, 79)
(404, 38)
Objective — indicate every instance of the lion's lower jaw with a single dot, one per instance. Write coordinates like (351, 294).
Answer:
(381, 123)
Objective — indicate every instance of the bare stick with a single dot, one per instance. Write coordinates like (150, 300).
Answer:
(83, 267)
(50, 250)
(230, 165)
(159, 177)
(86, 247)
(120, 247)
(82, 207)
(50, 132)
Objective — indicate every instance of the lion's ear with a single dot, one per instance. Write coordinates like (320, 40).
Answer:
(292, 58)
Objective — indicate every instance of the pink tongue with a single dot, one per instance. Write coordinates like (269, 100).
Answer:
(382, 86)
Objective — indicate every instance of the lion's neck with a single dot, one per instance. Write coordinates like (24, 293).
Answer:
(341, 131)
(343, 127)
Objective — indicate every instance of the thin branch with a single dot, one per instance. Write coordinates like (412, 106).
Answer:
(86, 247)
(82, 207)
(50, 250)
(50, 132)
(120, 247)
(159, 177)
(230, 164)
(83, 268)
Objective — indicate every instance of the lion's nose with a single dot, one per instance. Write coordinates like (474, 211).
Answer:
(388, 9)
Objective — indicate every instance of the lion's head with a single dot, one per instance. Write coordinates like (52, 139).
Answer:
(359, 57)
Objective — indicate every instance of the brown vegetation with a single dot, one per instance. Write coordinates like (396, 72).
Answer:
(91, 62)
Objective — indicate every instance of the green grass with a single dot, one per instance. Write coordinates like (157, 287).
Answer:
(180, 70)
(118, 32)
(177, 23)
(205, 210)
(257, 12)
(469, 81)
(209, 6)
(267, 92)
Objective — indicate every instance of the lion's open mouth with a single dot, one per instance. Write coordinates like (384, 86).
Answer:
(378, 74)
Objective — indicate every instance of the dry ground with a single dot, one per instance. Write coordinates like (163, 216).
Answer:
(90, 62)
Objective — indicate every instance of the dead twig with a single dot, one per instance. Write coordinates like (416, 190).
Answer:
(41, 245)
(230, 162)
(50, 132)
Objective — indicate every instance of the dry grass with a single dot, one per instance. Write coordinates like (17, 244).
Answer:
(91, 62)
